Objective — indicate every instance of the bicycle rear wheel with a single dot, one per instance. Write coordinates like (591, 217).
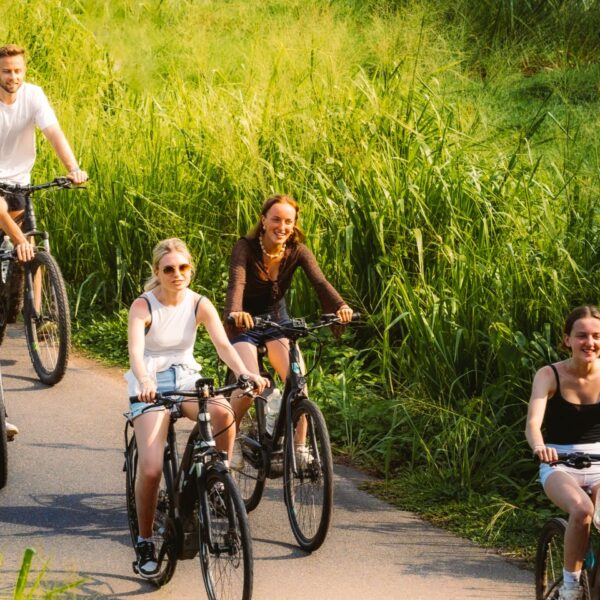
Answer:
(226, 557)
(250, 476)
(308, 490)
(163, 528)
(549, 562)
(47, 320)
(3, 440)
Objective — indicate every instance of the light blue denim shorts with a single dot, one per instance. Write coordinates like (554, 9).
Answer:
(586, 478)
(177, 377)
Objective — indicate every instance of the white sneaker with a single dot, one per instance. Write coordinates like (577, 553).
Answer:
(570, 593)
(11, 431)
(237, 459)
(303, 457)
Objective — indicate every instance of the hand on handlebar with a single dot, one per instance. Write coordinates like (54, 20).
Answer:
(345, 313)
(77, 176)
(545, 454)
(259, 383)
(147, 389)
(243, 320)
(25, 251)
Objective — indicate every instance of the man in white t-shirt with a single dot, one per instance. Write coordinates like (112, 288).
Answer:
(23, 107)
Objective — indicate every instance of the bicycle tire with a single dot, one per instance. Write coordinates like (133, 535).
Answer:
(3, 439)
(163, 529)
(308, 492)
(48, 331)
(5, 284)
(250, 477)
(549, 562)
(227, 568)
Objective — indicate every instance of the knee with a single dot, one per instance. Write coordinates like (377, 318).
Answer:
(581, 514)
(150, 471)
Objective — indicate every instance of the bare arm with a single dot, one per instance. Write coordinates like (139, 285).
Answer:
(543, 386)
(139, 318)
(236, 286)
(208, 316)
(57, 139)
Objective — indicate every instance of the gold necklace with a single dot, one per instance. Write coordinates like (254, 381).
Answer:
(276, 255)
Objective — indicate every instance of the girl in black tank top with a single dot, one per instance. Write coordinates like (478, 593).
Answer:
(564, 415)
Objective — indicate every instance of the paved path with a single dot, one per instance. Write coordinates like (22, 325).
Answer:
(65, 498)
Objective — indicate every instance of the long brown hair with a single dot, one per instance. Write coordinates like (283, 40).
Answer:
(297, 235)
(161, 249)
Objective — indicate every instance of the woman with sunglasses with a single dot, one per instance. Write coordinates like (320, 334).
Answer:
(260, 273)
(162, 331)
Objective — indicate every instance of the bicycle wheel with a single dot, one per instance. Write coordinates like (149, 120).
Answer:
(3, 440)
(549, 562)
(308, 491)
(6, 275)
(225, 543)
(47, 320)
(163, 528)
(250, 477)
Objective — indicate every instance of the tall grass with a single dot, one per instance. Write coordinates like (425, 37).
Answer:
(451, 201)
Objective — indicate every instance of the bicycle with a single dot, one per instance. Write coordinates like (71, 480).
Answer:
(550, 548)
(45, 302)
(308, 482)
(199, 510)
(3, 439)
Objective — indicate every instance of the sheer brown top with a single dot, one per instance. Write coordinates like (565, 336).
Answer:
(251, 289)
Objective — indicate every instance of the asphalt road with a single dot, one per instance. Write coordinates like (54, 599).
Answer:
(65, 498)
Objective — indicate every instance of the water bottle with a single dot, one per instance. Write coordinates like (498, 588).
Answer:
(273, 407)
(5, 246)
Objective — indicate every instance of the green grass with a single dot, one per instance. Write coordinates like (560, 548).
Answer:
(445, 156)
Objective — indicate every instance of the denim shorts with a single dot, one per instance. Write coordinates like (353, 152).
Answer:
(586, 478)
(260, 338)
(14, 201)
(176, 377)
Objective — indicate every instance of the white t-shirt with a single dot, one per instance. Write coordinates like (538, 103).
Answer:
(17, 132)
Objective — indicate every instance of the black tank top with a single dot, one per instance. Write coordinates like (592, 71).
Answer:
(568, 423)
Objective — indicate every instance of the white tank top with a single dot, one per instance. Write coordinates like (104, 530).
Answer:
(170, 339)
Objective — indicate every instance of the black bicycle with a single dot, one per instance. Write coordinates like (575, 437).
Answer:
(40, 285)
(199, 510)
(3, 439)
(298, 447)
(549, 560)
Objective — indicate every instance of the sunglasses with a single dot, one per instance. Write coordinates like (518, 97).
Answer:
(184, 269)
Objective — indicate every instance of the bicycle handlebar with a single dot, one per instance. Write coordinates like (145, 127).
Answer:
(61, 182)
(204, 389)
(576, 460)
(296, 325)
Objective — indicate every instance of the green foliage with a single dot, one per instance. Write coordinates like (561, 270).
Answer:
(445, 157)
(40, 588)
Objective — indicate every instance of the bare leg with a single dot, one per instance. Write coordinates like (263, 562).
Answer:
(563, 490)
(221, 418)
(240, 402)
(150, 434)
(278, 351)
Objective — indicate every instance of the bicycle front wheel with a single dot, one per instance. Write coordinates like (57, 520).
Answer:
(3, 440)
(163, 528)
(308, 489)
(225, 544)
(549, 562)
(47, 320)
(249, 474)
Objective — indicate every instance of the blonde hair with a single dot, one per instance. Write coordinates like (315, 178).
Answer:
(161, 249)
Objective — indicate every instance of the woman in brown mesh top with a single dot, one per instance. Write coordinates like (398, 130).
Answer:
(260, 273)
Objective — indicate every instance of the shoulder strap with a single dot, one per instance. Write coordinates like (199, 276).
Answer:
(557, 378)
(197, 305)
(144, 297)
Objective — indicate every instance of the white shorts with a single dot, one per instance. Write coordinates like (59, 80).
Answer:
(586, 478)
